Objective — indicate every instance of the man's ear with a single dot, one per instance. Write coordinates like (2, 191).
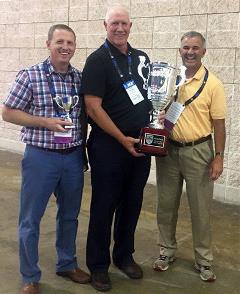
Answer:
(48, 44)
(105, 24)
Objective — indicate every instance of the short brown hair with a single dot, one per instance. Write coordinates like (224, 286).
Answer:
(59, 27)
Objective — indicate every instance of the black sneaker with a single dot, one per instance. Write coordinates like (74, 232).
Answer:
(101, 281)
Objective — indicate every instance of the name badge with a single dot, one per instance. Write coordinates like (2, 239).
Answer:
(133, 92)
(173, 114)
(64, 138)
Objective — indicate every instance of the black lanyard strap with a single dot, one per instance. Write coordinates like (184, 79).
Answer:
(114, 61)
(199, 91)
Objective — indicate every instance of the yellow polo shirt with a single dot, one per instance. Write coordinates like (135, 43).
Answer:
(196, 120)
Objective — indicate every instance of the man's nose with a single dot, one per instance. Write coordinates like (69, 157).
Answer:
(120, 27)
(65, 45)
(190, 51)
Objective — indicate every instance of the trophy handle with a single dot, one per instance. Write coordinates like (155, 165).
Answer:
(139, 69)
(75, 100)
(182, 76)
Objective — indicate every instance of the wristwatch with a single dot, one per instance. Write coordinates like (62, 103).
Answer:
(219, 153)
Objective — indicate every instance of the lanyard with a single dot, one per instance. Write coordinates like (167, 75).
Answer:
(51, 84)
(190, 100)
(114, 61)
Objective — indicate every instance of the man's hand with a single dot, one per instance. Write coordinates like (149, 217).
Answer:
(216, 168)
(129, 144)
(56, 124)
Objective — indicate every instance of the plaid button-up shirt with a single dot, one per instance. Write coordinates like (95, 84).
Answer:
(30, 93)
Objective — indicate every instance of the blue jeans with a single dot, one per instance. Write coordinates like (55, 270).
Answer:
(44, 173)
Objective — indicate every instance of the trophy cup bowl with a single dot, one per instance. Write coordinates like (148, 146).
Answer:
(66, 103)
(161, 86)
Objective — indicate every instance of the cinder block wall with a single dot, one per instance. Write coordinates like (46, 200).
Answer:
(157, 28)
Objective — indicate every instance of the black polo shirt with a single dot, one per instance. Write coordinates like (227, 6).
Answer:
(100, 78)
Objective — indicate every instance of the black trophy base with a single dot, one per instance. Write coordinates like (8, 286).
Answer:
(153, 141)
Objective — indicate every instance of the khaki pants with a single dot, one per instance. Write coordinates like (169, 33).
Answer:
(192, 165)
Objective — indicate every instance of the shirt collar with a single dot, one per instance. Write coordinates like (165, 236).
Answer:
(115, 51)
(52, 70)
(198, 75)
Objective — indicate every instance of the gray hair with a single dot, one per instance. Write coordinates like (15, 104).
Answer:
(59, 27)
(114, 8)
(193, 34)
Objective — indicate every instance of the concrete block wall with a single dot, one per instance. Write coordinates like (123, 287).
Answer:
(157, 28)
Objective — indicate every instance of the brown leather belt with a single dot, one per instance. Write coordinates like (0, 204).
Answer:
(183, 144)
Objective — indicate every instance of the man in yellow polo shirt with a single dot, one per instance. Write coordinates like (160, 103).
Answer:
(201, 110)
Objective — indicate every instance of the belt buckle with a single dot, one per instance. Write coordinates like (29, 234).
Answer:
(187, 144)
(182, 144)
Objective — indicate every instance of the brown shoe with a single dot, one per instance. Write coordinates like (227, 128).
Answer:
(76, 275)
(132, 270)
(30, 288)
(101, 281)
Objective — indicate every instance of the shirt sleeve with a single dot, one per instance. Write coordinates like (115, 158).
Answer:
(218, 106)
(94, 77)
(20, 93)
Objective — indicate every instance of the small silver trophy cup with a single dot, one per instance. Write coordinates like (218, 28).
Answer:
(67, 103)
(161, 86)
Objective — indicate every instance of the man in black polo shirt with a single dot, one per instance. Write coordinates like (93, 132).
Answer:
(118, 107)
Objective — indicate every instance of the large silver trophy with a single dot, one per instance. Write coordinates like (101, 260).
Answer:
(161, 84)
(66, 103)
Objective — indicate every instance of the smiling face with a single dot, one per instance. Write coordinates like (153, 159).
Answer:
(192, 51)
(62, 47)
(118, 25)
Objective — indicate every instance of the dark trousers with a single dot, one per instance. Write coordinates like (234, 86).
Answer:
(118, 180)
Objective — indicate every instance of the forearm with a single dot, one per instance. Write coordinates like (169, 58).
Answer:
(22, 118)
(219, 135)
(216, 166)
(102, 119)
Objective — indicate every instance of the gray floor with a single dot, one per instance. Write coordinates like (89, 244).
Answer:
(180, 278)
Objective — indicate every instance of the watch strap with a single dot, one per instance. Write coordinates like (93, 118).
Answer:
(219, 153)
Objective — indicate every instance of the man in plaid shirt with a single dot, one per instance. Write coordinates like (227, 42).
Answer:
(45, 99)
